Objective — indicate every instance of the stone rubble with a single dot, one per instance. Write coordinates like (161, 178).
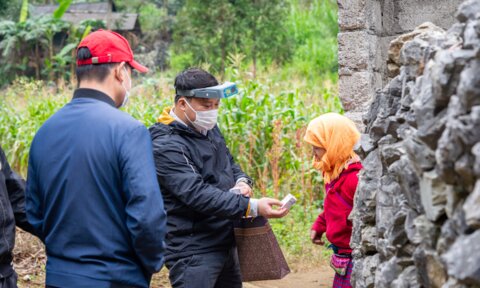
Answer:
(417, 208)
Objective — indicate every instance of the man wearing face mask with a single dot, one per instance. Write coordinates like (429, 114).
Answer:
(203, 188)
(92, 194)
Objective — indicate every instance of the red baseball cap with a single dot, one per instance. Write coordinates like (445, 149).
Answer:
(108, 47)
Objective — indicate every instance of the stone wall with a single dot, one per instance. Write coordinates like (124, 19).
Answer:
(417, 208)
(366, 29)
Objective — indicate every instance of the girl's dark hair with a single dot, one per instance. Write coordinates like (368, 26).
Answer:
(193, 78)
(98, 72)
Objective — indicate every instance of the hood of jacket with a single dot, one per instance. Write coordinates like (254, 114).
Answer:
(166, 124)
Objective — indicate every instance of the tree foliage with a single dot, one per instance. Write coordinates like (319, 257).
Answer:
(28, 47)
(313, 25)
(263, 23)
(211, 30)
(62, 8)
(297, 35)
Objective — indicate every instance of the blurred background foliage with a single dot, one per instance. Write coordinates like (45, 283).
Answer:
(297, 35)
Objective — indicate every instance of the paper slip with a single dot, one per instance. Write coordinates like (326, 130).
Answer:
(288, 201)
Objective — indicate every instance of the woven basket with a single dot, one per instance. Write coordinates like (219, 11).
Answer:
(258, 251)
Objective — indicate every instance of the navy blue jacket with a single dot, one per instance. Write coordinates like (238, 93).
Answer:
(93, 197)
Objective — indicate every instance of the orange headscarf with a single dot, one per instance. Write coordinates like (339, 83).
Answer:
(337, 135)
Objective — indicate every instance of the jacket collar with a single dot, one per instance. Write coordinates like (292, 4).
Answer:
(93, 94)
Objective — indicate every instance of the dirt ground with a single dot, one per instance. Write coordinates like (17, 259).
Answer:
(307, 272)
(315, 278)
(320, 277)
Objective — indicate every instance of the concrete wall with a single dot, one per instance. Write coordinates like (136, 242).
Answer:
(366, 29)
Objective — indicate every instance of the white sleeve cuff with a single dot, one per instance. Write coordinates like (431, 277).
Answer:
(253, 207)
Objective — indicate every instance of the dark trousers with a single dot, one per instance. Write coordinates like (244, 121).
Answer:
(9, 281)
(219, 269)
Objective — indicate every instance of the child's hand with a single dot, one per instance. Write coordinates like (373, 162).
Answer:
(316, 237)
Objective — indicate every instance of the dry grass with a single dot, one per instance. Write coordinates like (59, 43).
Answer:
(29, 260)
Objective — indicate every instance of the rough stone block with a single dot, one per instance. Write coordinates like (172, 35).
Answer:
(357, 271)
(355, 90)
(377, 81)
(445, 76)
(462, 259)
(408, 180)
(369, 238)
(389, 189)
(352, 14)
(408, 278)
(391, 153)
(368, 270)
(408, 14)
(433, 193)
(453, 199)
(420, 230)
(476, 153)
(463, 168)
(447, 236)
(435, 270)
(396, 234)
(383, 220)
(472, 207)
(368, 193)
(365, 145)
(429, 268)
(471, 36)
(355, 50)
(380, 65)
(359, 15)
(468, 10)
(423, 157)
(469, 86)
(356, 116)
(387, 272)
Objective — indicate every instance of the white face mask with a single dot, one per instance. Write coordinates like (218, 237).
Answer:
(204, 120)
(127, 93)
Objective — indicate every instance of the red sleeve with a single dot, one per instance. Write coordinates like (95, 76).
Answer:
(320, 225)
(349, 187)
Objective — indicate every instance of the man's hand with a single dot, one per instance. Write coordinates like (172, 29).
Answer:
(316, 237)
(245, 190)
(265, 208)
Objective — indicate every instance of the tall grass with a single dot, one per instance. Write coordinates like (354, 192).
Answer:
(24, 106)
(313, 24)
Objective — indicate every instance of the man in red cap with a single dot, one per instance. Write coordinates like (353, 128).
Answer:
(92, 193)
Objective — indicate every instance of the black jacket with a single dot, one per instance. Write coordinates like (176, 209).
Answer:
(12, 212)
(195, 173)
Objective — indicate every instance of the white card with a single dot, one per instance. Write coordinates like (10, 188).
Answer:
(288, 201)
